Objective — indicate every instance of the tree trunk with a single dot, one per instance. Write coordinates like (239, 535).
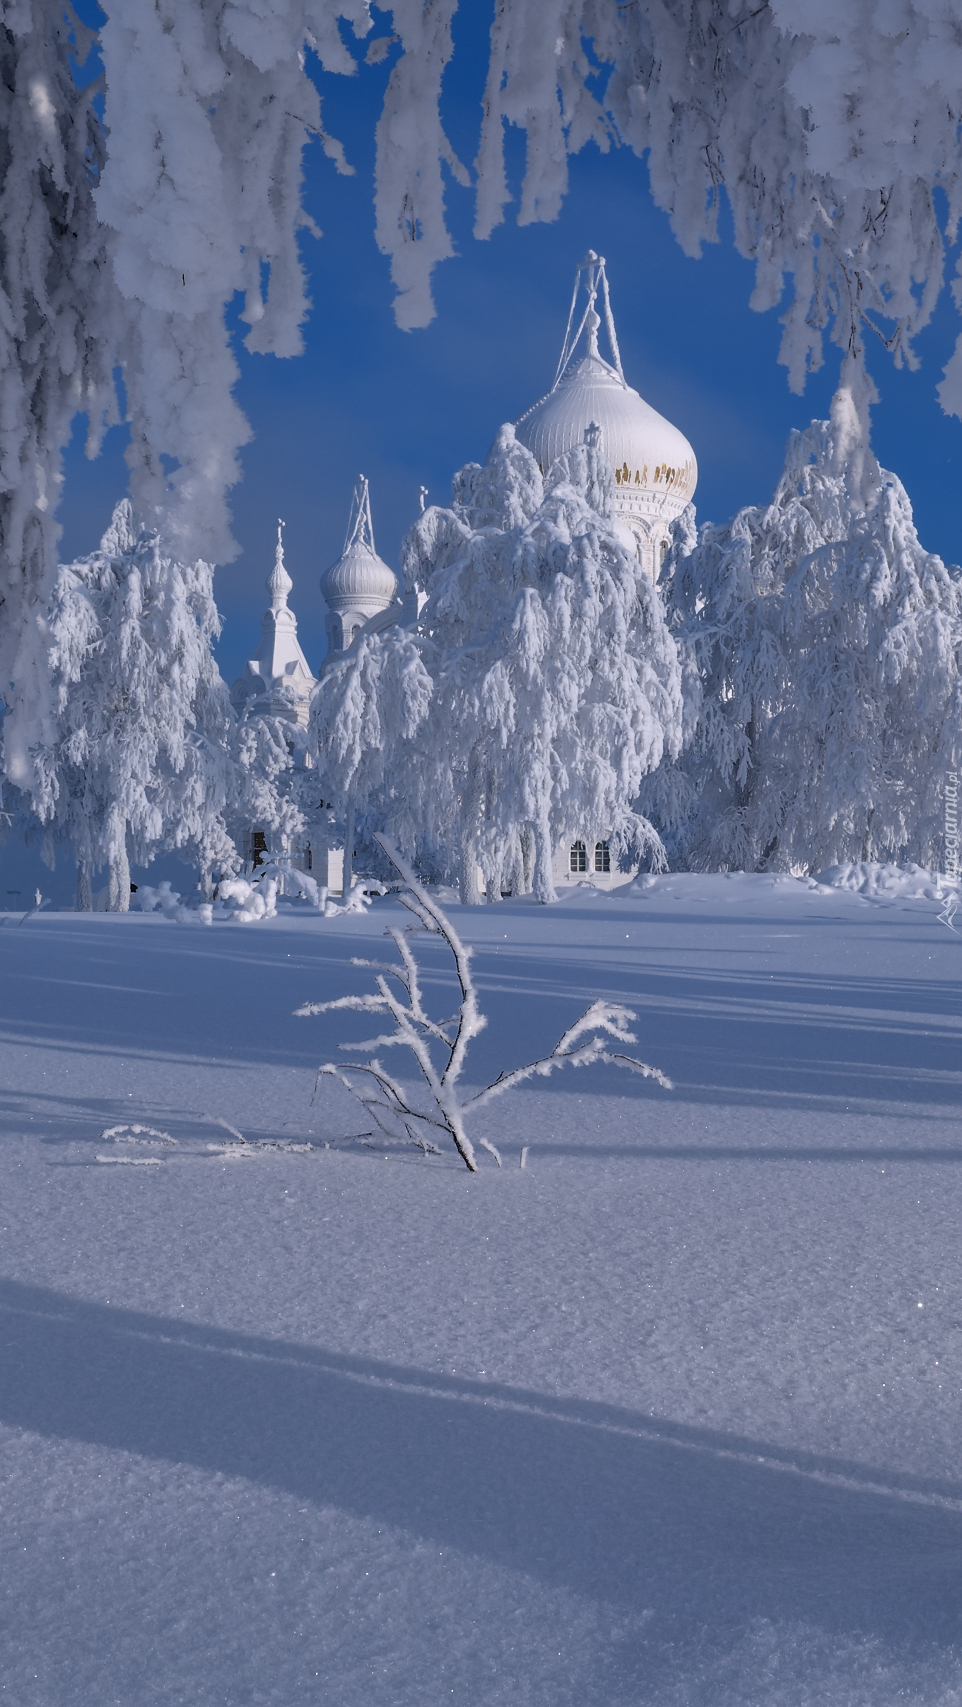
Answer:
(470, 893)
(544, 889)
(527, 858)
(118, 893)
(491, 872)
(85, 900)
(348, 849)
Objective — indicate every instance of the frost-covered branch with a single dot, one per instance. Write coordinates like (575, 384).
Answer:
(601, 1016)
(386, 1101)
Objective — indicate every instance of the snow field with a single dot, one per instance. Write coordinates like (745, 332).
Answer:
(657, 1419)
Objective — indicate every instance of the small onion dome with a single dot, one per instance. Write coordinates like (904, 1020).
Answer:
(279, 583)
(360, 579)
(655, 467)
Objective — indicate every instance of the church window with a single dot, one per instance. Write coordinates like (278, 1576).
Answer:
(258, 846)
(602, 857)
(663, 551)
(579, 857)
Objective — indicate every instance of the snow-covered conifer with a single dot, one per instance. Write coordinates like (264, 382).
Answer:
(828, 645)
(140, 763)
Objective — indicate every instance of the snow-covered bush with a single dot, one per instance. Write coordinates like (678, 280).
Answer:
(167, 901)
(827, 644)
(246, 900)
(540, 686)
(139, 762)
(440, 1046)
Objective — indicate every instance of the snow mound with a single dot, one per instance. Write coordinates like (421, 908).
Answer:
(887, 882)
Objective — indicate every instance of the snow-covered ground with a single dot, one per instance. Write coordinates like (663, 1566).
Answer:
(671, 1415)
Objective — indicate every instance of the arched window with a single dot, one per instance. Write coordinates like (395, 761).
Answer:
(579, 857)
(602, 857)
(662, 551)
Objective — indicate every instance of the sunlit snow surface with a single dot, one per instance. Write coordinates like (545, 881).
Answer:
(669, 1416)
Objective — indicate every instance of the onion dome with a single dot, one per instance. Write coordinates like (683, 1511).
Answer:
(279, 583)
(360, 581)
(655, 467)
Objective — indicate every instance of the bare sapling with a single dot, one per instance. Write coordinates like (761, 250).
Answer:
(440, 1046)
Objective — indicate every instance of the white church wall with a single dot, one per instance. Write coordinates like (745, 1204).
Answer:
(583, 859)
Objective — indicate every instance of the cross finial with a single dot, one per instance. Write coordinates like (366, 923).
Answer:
(592, 275)
(360, 528)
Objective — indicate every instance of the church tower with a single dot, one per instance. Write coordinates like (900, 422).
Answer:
(279, 677)
(655, 467)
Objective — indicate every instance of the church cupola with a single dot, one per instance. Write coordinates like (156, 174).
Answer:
(655, 467)
(359, 587)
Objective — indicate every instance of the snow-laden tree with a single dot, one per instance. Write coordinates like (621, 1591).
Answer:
(282, 792)
(55, 357)
(834, 133)
(545, 684)
(827, 644)
(140, 761)
(367, 735)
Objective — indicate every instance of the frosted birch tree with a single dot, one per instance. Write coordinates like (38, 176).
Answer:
(827, 643)
(281, 792)
(140, 760)
(551, 685)
(368, 733)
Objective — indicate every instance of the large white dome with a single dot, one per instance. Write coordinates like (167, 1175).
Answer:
(655, 466)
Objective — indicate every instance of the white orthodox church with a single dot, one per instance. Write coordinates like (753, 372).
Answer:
(655, 477)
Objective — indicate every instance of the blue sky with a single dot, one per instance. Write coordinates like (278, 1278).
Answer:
(408, 408)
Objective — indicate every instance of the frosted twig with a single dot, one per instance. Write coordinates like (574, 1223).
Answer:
(386, 1101)
(217, 1120)
(136, 1135)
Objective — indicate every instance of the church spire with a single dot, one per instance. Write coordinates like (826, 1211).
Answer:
(278, 679)
(279, 582)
